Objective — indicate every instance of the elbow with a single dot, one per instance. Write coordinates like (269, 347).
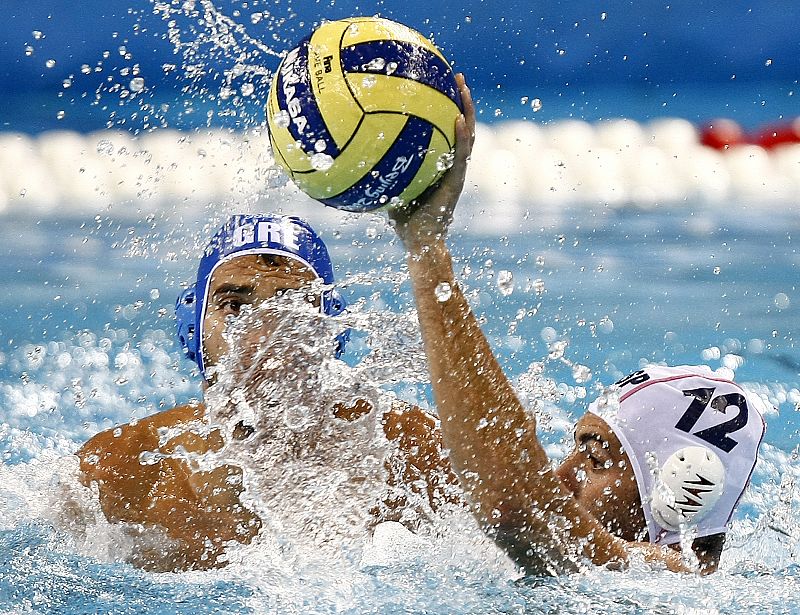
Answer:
(532, 537)
(531, 550)
(509, 526)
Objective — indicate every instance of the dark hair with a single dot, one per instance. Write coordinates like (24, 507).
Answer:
(708, 550)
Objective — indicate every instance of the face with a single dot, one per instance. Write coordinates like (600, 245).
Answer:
(247, 280)
(600, 476)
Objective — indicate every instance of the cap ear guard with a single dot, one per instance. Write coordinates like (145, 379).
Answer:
(333, 304)
(690, 483)
(185, 313)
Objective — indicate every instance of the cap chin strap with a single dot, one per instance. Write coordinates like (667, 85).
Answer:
(690, 483)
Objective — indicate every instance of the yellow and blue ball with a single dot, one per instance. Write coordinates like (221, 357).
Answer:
(362, 113)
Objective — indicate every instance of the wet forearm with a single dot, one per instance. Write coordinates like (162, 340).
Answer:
(492, 439)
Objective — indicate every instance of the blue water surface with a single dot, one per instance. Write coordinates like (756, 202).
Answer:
(86, 342)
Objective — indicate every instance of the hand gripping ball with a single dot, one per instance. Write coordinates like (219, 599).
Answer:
(361, 114)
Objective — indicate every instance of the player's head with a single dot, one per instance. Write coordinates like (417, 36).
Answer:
(251, 258)
(666, 448)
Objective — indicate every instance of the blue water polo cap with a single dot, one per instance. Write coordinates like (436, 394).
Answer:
(244, 234)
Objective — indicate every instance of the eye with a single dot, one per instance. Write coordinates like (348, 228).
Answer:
(596, 462)
(232, 305)
(597, 456)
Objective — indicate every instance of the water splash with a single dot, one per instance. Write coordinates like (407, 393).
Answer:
(321, 161)
(445, 161)
(505, 282)
(314, 471)
(443, 292)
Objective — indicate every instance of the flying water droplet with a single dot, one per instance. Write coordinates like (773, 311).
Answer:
(50, 63)
(606, 325)
(149, 458)
(369, 81)
(321, 162)
(557, 350)
(136, 84)
(536, 105)
(505, 282)
(320, 145)
(391, 67)
(248, 89)
(781, 301)
(105, 147)
(282, 119)
(581, 373)
(374, 64)
(37, 34)
(548, 334)
(443, 291)
(445, 161)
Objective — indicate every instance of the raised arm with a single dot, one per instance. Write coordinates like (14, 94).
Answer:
(514, 493)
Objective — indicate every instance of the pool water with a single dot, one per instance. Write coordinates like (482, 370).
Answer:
(585, 294)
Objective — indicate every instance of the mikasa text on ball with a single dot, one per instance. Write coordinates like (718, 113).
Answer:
(362, 114)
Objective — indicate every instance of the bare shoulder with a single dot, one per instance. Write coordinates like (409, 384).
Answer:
(114, 448)
(407, 420)
(425, 467)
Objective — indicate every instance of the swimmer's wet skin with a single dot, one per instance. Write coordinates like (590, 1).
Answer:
(152, 484)
(699, 431)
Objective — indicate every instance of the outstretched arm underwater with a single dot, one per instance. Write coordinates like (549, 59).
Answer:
(513, 490)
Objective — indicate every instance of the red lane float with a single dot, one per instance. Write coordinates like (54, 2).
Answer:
(722, 134)
(774, 135)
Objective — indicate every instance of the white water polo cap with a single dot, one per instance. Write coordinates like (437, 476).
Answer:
(692, 437)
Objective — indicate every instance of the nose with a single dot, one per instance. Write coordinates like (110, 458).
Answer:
(568, 471)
